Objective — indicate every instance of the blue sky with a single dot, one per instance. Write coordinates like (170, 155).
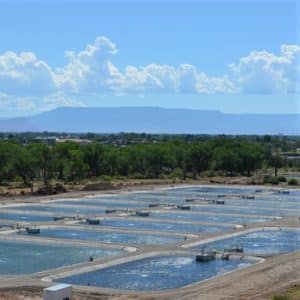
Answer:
(233, 56)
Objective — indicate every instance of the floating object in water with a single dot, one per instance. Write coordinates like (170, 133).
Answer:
(220, 202)
(225, 256)
(154, 205)
(31, 230)
(142, 213)
(58, 218)
(250, 197)
(200, 200)
(238, 226)
(204, 257)
(93, 221)
(184, 207)
(190, 200)
(221, 195)
(235, 249)
(110, 210)
(283, 192)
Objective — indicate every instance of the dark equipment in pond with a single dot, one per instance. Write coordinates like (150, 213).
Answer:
(225, 256)
(206, 256)
(33, 230)
(142, 213)
(93, 221)
(235, 249)
(184, 207)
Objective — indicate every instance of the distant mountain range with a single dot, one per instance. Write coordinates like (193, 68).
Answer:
(153, 120)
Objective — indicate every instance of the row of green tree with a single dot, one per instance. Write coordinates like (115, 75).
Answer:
(70, 162)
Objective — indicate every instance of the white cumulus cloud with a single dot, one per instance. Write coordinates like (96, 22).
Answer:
(92, 70)
(265, 72)
(24, 73)
(30, 84)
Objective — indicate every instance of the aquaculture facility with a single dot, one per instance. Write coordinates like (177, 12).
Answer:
(167, 242)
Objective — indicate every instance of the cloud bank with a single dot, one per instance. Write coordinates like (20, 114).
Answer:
(30, 84)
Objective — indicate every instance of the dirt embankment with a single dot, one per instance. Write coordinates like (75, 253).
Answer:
(14, 190)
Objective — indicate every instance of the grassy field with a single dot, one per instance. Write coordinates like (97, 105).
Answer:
(292, 293)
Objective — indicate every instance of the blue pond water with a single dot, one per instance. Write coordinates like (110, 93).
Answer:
(177, 227)
(264, 204)
(261, 242)
(215, 189)
(277, 202)
(242, 210)
(104, 203)
(107, 237)
(156, 273)
(58, 209)
(207, 218)
(152, 197)
(24, 257)
(25, 217)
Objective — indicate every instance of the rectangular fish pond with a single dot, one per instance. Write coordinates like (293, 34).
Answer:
(25, 217)
(209, 218)
(163, 226)
(245, 210)
(261, 242)
(20, 257)
(54, 208)
(151, 197)
(156, 273)
(103, 203)
(214, 190)
(278, 204)
(107, 236)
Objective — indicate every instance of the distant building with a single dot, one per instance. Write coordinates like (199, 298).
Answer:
(58, 292)
(49, 140)
(75, 140)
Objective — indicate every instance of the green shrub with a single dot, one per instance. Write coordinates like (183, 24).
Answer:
(293, 181)
(281, 297)
(138, 176)
(282, 179)
(177, 174)
(271, 179)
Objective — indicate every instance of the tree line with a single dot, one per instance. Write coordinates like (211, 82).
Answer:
(71, 162)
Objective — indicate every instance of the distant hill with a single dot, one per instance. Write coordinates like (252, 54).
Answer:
(153, 120)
